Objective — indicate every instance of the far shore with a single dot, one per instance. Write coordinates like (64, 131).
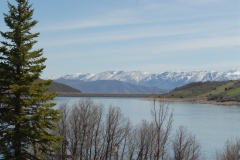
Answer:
(147, 97)
(63, 94)
(202, 101)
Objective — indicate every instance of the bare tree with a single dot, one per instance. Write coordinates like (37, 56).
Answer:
(62, 129)
(162, 120)
(123, 153)
(73, 132)
(185, 146)
(116, 128)
(96, 131)
(231, 150)
(131, 143)
(87, 135)
(144, 137)
(85, 129)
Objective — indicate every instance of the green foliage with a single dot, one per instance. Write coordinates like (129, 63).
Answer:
(26, 114)
(217, 91)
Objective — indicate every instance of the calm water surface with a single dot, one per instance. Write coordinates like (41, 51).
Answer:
(211, 124)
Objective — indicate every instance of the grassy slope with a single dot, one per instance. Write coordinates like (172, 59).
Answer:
(217, 91)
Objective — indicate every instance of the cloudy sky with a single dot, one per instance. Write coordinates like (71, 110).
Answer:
(93, 36)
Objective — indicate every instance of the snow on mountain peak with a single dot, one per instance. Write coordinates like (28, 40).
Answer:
(235, 71)
(134, 76)
(168, 79)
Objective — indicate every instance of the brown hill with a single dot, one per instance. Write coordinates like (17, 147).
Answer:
(62, 88)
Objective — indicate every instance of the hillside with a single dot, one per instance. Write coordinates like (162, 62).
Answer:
(62, 88)
(219, 91)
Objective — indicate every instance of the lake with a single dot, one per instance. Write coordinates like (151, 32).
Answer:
(211, 124)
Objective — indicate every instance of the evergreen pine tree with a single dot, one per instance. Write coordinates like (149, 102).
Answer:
(26, 112)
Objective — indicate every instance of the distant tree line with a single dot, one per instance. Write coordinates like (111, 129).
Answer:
(223, 97)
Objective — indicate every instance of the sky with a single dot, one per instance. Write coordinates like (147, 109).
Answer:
(93, 36)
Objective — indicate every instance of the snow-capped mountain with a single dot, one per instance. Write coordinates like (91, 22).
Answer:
(165, 80)
(130, 77)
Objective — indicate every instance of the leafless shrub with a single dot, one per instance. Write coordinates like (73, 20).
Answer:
(151, 140)
(162, 122)
(90, 133)
(85, 129)
(86, 135)
(62, 129)
(185, 146)
(231, 150)
(143, 139)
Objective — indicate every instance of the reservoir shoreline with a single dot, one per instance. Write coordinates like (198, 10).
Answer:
(147, 97)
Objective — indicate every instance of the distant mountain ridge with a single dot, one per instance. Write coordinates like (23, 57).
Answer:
(107, 86)
(164, 80)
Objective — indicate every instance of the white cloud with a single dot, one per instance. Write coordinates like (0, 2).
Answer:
(219, 33)
(201, 2)
(118, 17)
(203, 43)
(122, 35)
(157, 12)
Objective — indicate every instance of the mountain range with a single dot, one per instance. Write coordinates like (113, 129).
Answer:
(141, 82)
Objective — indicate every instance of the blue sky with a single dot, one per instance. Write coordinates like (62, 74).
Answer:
(93, 36)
